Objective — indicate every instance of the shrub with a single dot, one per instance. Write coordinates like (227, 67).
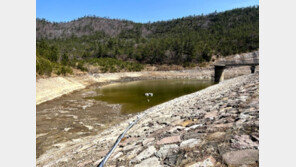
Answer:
(65, 59)
(81, 67)
(43, 66)
(64, 70)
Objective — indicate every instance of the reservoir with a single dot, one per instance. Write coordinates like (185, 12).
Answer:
(131, 95)
(89, 111)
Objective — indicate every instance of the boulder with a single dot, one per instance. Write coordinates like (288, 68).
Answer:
(241, 157)
(166, 150)
(116, 156)
(150, 162)
(193, 127)
(243, 142)
(190, 143)
(186, 123)
(169, 140)
(176, 128)
(207, 162)
(211, 115)
(147, 141)
(145, 154)
(216, 136)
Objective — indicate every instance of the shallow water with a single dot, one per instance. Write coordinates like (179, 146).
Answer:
(131, 95)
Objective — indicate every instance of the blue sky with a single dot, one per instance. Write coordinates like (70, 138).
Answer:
(135, 10)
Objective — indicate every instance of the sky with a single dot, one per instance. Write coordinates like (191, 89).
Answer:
(141, 11)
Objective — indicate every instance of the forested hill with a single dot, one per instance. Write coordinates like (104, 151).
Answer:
(183, 41)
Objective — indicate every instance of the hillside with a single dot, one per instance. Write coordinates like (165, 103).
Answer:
(82, 26)
(185, 41)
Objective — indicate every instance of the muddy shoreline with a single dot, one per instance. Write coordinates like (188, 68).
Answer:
(73, 116)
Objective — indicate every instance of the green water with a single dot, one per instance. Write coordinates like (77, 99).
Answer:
(131, 95)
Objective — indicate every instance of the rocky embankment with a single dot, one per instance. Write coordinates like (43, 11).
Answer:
(217, 126)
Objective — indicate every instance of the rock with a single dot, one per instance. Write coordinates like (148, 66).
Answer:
(223, 126)
(255, 136)
(84, 163)
(208, 162)
(212, 114)
(147, 141)
(169, 140)
(245, 165)
(243, 98)
(193, 127)
(171, 160)
(67, 129)
(98, 162)
(227, 109)
(225, 98)
(166, 150)
(186, 123)
(128, 147)
(89, 93)
(190, 135)
(216, 136)
(190, 143)
(244, 116)
(145, 154)
(233, 111)
(102, 153)
(172, 130)
(134, 152)
(117, 155)
(240, 122)
(243, 141)
(150, 162)
(241, 157)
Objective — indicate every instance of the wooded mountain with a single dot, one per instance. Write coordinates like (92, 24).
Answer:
(187, 40)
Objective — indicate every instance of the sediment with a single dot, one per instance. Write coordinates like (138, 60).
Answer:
(217, 126)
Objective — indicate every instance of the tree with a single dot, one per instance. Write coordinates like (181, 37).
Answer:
(65, 59)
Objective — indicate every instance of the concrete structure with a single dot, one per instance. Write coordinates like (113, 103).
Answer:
(220, 66)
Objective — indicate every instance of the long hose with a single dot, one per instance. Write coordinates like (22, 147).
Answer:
(102, 163)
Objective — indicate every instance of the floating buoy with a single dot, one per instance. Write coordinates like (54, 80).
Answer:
(148, 94)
